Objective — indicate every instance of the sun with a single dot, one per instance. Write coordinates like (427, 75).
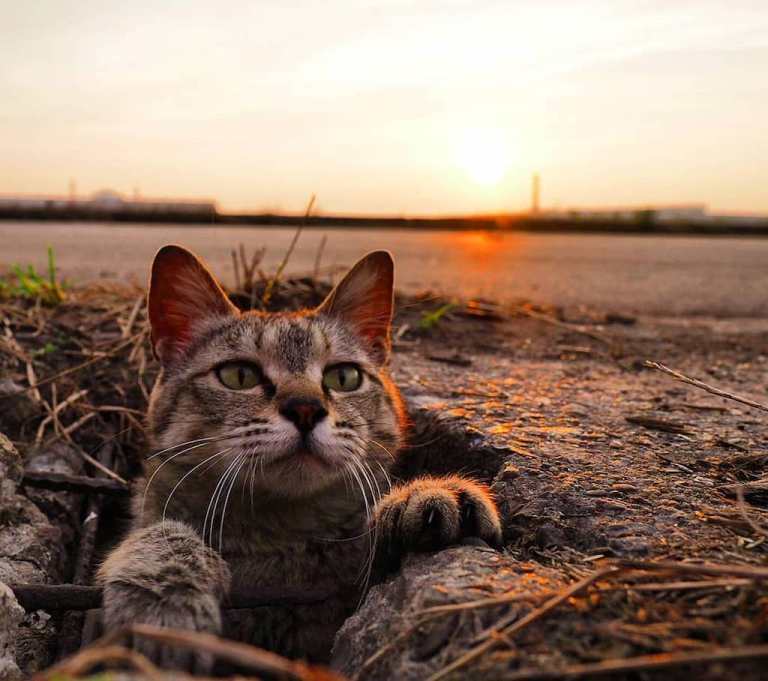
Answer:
(483, 154)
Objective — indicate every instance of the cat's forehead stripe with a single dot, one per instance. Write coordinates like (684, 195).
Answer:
(294, 345)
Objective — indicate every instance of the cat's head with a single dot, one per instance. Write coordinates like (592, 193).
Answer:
(293, 401)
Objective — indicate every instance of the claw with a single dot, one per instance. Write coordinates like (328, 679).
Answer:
(431, 516)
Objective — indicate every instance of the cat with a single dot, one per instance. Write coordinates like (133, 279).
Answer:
(274, 437)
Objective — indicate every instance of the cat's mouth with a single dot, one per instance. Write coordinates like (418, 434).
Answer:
(305, 455)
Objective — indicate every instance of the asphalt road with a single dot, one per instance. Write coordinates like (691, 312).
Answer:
(667, 275)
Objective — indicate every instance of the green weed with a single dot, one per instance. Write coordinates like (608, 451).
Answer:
(30, 284)
(429, 320)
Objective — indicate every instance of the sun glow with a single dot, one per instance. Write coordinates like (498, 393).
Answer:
(483, 155)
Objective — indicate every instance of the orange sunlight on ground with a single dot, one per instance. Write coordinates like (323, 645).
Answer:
(479, 251)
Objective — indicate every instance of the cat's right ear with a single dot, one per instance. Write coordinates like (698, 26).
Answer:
(182, 294)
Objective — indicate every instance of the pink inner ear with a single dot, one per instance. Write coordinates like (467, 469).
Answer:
(364, 299)
(372, 316)
(183, 294)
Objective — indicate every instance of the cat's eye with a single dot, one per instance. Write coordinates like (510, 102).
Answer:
(343, 378)
(239, 375)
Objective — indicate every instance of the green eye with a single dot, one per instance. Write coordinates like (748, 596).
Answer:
(343, 378)
(238, 375)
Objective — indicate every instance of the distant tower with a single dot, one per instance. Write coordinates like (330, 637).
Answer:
(535, 193)
(72, 190)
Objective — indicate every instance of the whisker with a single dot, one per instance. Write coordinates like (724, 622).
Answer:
(157, 470)
(185, 476)
(242, 459)
(213, 503)
(213, 438)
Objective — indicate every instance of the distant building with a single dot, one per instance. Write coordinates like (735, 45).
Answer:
(648, 216)
(108, 201)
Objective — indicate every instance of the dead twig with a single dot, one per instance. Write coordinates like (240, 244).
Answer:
(88, 658)
(681, 586)
(503, 599)
(236, 265)
(508, 632)
(276, 278)
(73, 427)
(62, 482)
(318, 258)
(126, 332)
(744, 514)
(100, 466)
(747, 571)
(639, 663)
(705, 386)
(236, 653)
(83, 365)
(55, 412)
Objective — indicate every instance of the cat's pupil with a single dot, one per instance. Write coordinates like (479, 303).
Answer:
(241, 375)
(343, 377)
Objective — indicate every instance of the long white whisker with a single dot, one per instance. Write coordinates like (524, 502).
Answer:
(226, 479)
(186, 475)
(356, 474)
(374, 535)
(214, 502)
(157, 470)
(213, 438)
(242, 459)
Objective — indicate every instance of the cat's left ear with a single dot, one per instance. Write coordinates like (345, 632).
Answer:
(182, 295)
(365, 299)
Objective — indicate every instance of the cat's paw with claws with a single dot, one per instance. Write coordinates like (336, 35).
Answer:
(432, 513)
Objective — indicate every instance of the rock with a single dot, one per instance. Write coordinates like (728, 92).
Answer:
(11, 614)
(30, 547)
(63, 509)
(31, 551)
(452, 576)
(10, 465)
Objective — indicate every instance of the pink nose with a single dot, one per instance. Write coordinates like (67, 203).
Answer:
(304, 413)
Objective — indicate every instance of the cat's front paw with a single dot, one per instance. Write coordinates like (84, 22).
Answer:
(432, 513)
(125, 605)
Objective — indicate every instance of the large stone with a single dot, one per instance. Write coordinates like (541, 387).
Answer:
(387, 622)
(31, 551)
(11, 614)
(30, 547)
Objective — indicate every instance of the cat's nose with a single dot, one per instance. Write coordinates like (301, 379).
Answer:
(304, 413)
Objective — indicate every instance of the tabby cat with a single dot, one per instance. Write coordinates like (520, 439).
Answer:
(273, 437)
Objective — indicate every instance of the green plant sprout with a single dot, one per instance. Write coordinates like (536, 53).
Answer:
(30, 284)
(429, 320)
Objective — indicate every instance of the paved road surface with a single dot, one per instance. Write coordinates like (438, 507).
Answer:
(652, 275)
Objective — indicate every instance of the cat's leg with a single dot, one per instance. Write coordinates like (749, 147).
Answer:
(434, 512)
(165, 575)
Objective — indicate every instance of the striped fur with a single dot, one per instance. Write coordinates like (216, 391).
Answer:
(234, 496)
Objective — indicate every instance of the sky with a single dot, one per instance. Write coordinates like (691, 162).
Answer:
(389, 107)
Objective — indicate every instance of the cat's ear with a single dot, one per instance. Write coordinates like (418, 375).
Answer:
(364, 299)
(182, 293)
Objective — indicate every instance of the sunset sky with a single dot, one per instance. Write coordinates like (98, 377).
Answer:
(389, 107)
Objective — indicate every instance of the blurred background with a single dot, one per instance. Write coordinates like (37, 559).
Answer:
(570, 152)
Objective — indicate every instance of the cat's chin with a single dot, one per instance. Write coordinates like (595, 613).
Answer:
(301, 472)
